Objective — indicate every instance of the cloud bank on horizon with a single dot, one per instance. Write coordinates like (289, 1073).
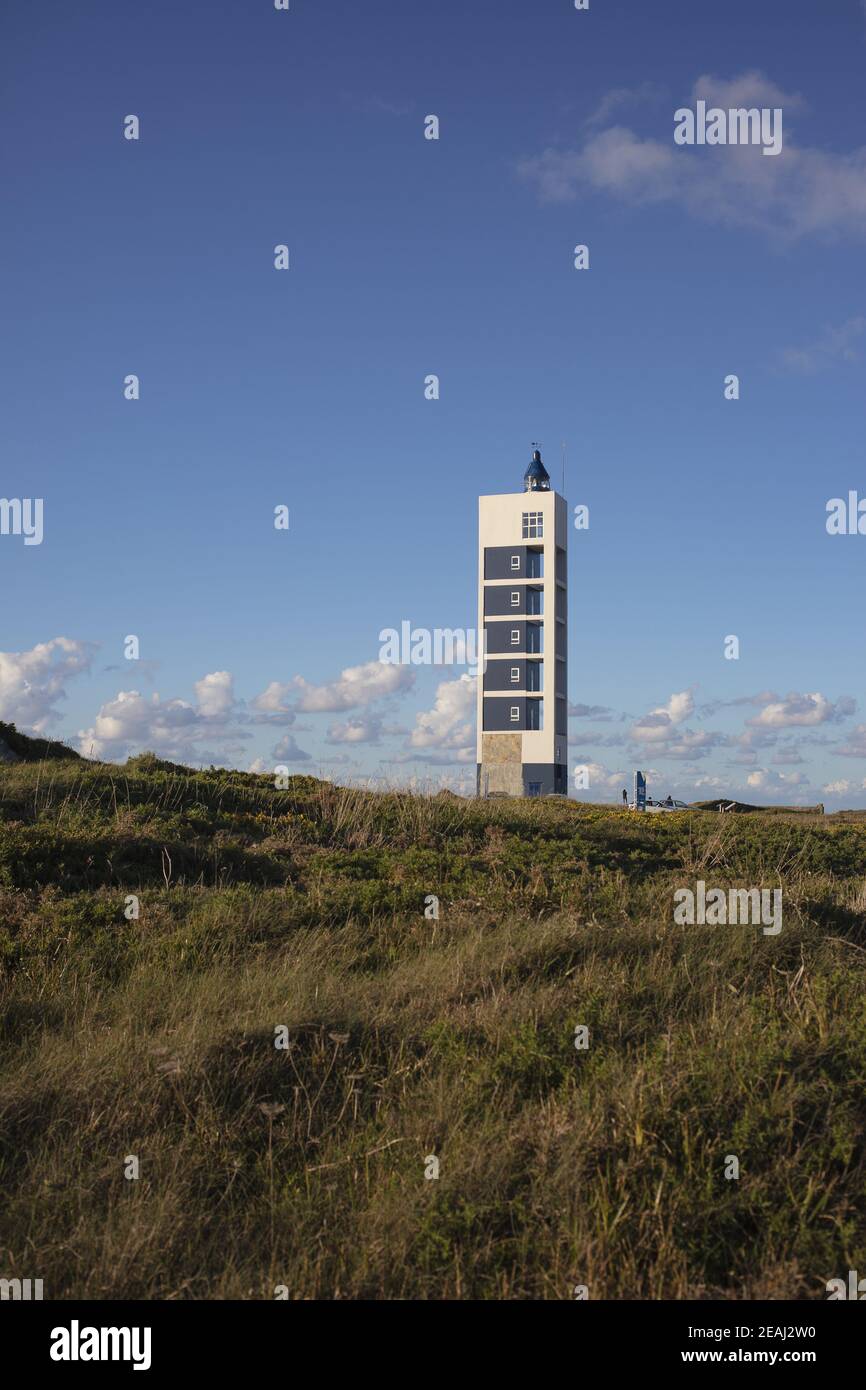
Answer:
(217, 727)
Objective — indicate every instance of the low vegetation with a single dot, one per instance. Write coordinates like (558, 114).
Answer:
(147, 1042)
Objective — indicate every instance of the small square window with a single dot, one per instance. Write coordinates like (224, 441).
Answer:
(515, 637)
(515, 562)
(515, 598)
(515, 673)
(515, 713)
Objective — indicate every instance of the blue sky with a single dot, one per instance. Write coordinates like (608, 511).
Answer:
(455, 257)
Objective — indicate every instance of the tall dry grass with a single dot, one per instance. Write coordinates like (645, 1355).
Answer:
(413, 1037)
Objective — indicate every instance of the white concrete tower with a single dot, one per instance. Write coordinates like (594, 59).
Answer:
(522, 612)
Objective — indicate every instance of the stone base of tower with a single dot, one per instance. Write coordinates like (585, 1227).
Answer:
(521, 779)
(501, 770)
(500, 779)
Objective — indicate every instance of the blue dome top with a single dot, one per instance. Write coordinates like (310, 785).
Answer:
(536, 478)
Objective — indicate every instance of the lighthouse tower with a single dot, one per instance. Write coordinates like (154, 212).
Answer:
(522, 612)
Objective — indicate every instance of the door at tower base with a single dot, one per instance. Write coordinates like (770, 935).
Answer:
(544, 779)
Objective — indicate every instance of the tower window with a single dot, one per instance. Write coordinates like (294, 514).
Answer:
(515, 673)
(533, 526)
(515, 637)
(515, 713)
(515, 562)
(534, 715)
(515, 598)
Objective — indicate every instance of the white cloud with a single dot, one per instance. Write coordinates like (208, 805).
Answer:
(834, 345)
(678, 707)
(787, 757)
(272, 698)
(799, 192)
(762, 779)
(803, 710)
(356, 686)
(749, 89)
(132, 722)
(710, 784)
(648, 93)
(603, 714)
(657, 726)
(615, 161)
(690, 745)
(837, 788)
(855, 747)
(450, 724)
(33, 682)
(357, 730)
(215, 694)
(287, 751)
(764, 697)
(272, 706)
(756, 738)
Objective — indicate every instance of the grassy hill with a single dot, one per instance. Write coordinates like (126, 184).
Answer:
(18, 747)
(299, 917)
